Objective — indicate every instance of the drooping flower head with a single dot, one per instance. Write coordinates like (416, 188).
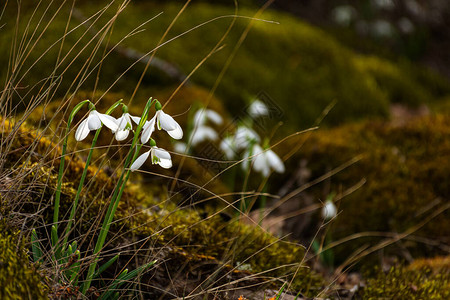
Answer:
(162, 121)
(258, 109)
(125, 125)
(158, 156)
(93, 122)
(263, 161)
(329, 210)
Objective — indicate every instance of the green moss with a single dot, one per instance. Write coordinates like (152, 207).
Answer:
(146, 211)
(405, 169)
(18, 279)
(300, 67)
(424, 279)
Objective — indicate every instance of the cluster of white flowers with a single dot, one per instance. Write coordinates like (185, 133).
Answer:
(201, 132)
(122, 126)
(244, 140)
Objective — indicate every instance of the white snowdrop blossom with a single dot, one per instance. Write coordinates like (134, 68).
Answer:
(244, 137)
(329, 210)
(203, 115)
(203, 133)
(162, 121)
(93, 122)
(125, 125)
(180, 147)
(158, 156)
(264, 161)
(228, 147)
(258, 109)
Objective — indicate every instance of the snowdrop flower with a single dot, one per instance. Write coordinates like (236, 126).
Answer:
(158, 156)
(202, 115)
(264, 161)
(258, 109)
(164, 121)
(180, 147)
(93, 122)
(245, 136)
(228, 147)
(203, 133)
(124, 126)
(329, 210)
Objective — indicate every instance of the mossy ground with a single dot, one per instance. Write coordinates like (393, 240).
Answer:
(405, 171)
(423, 279)
(18, 278)
(146, 217)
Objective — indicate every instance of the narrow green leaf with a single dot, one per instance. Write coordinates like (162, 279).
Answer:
(37, 252)
(105, 266)
(123, 278)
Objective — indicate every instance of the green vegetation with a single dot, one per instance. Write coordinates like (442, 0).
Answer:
(406, 171)
(424, 279)
(302, 68)
(18, 279)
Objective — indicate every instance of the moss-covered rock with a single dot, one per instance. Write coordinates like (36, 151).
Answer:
(423, 279)
(147, 217)
(18, 278)
(405, 173)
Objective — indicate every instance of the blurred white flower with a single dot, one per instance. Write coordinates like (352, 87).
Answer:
(384, 4)
(228, 147)
(258, 109)
(164, 121)
(124, 126)
(405, 25)
(245, 136)
(180, 147)
(93, 122)
(203, 115)
(329, 210)
(203, 133)
(344, 14)
(382, 28)
(264, 161)
(158, 156)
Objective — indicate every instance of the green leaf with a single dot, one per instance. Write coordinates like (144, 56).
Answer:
(36, 248)
(105, 266)
(123, 278)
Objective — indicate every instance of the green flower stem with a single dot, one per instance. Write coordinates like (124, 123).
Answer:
(117, 194)
(83, 177)
(61, 168)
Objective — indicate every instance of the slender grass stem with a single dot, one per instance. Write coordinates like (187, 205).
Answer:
(83, 177)
(61, 167)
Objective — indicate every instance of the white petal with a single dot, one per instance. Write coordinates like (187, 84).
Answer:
(199, 117)
(214, 116)
(161, 153)
(82, 130)
(257, 109)
(135, 119)
(180, 147)
(94, 122)
(166, 122)
(246, 161)
(274, 161)
(203, 133)
(227, 147)
(121, 135)
(147, 130)
(177, 133)
(139, 161)
(165, 163)
(109, 121)
(329, 210)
